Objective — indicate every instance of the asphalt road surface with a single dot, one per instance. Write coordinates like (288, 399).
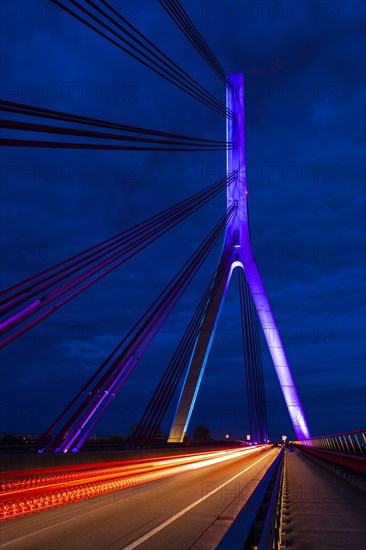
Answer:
(189, 510)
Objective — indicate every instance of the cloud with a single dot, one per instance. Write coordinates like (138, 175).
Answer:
(304, 110)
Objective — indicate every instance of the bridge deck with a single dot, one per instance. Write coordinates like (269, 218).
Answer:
(323, 510)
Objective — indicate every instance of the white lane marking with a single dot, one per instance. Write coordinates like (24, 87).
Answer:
(185, 510)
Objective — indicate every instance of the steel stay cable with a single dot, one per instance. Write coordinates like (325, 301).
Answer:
(47, 129)
(251, 365)
(156, 234)
(150, 412)
(209, 192)
(260, 377)
(188, 266)
(183, 21)
(181, 18)
(202, 45)
(47, 282)
(161, 399)
(89, 134)
(254, 369)
(183, 209)
(251, 350)
(186, 77)
(65, 287)
(156, 310)
(196, 95)
(199, 252)
(184, 27)
(119, 385)
(101, 33)
(190, 345)
(43, 316)
(262, 393)
(99, 133)
(41, 112)
(134, 352)
(245, 345)
(185, 343)
(136, 355)
(99, 415)
(46, 300)
(39, 304)
(115, 12)
(255, 373)
(94, 376)
(258, 372)
(6, 142)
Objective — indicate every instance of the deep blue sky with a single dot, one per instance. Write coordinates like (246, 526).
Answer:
(304, 66)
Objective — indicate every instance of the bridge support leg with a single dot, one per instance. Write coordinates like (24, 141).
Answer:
(198, 361)
(238, 238)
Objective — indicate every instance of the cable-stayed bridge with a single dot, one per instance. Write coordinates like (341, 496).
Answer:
(27, 303)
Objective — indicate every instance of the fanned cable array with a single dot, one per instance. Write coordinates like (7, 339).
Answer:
(108, 23)
(258, 419)
(31, 301)
(130, 138)
(151, 420)
(176, 11)
(113, 373)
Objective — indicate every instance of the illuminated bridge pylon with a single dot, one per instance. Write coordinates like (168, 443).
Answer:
(238, 253)
(30, 302)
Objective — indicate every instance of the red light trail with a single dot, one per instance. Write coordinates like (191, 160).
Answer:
(26, 492)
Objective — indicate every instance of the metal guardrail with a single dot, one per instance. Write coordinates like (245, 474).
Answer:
(258, 524)
(352, 443)
(272, 527)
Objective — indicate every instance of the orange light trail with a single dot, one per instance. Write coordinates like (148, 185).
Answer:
(23, 492)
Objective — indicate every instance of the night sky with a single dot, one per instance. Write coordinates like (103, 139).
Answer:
(304, 65)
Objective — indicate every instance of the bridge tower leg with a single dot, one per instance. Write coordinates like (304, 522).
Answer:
(198, 360)
(242, 256)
